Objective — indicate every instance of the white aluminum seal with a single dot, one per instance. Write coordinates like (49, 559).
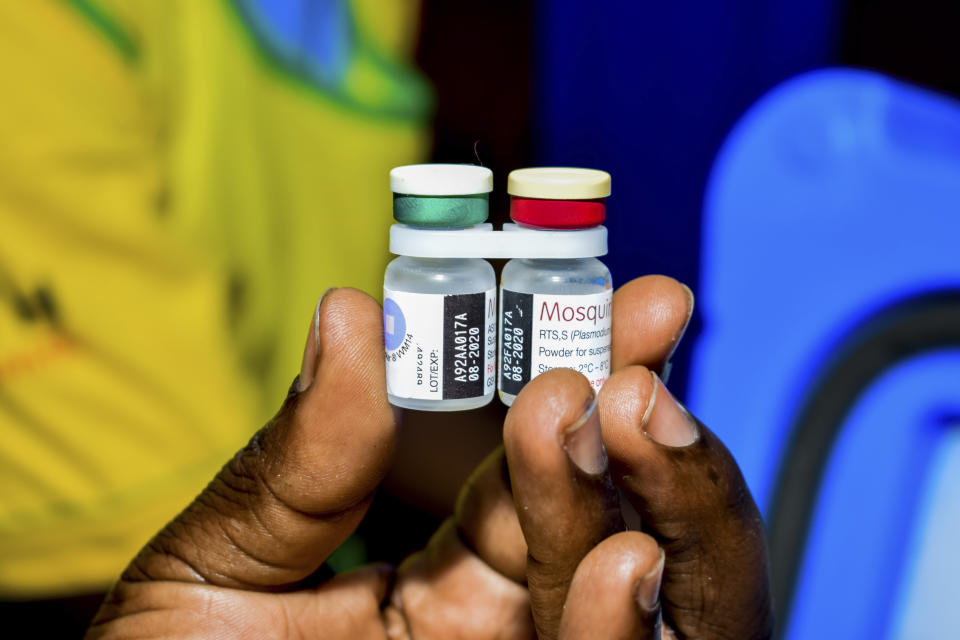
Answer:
(481, 241)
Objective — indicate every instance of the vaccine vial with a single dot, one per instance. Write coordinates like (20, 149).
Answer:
(555, 312)
(439, 313)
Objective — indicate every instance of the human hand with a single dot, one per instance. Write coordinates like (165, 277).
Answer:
(677, 481)
(239, 561)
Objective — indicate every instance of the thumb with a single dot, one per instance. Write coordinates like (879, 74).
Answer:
(285, 501)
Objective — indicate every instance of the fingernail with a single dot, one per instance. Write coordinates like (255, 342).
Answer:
(667, 368)
(583, 441)
(665, 420)
(648, 587)
(690, 303)
(668, 365)
(386, 576)
(311, 352)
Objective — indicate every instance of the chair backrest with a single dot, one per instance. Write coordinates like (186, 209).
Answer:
(829, 360)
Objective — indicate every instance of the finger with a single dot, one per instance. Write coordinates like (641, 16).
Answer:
(471, 574)
(290, 497)
(692, 498)
(615, 592)
(562, 492)
(448, 591)
(487, 519)
(650, 315)
(347, 607)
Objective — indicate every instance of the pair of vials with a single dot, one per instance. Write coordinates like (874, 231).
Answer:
(448, 344)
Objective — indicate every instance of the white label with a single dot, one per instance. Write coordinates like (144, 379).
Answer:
(539, 332)
(439, 347)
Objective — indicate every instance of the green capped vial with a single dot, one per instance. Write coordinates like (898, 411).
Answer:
(439, 314)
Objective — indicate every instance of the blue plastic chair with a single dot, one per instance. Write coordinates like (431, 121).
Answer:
(829, 360)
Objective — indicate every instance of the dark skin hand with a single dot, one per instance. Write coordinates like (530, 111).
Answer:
(537, 545)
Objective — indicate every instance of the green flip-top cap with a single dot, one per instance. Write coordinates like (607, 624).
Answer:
(441, 195)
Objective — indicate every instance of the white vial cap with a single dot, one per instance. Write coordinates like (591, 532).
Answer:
(559, 183)
(441, 179)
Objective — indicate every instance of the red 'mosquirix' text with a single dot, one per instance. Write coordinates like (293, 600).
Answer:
(569, 313)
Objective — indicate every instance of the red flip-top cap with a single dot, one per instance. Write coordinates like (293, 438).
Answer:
(557, 214)
(558, 197)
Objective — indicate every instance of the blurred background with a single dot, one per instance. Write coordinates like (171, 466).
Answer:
(179, 181)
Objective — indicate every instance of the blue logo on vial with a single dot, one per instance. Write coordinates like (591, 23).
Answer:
(394, 324)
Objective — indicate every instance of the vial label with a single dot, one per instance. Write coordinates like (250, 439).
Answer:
(440, 347)
(539, 332)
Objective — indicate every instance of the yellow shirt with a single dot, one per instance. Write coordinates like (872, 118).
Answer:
(175, 193)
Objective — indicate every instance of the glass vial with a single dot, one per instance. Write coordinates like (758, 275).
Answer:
(555, 312)
(439, 314)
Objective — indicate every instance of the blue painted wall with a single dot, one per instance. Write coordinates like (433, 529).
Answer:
(647, 91)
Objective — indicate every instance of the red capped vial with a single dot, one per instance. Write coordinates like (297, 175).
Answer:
(555, 312)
